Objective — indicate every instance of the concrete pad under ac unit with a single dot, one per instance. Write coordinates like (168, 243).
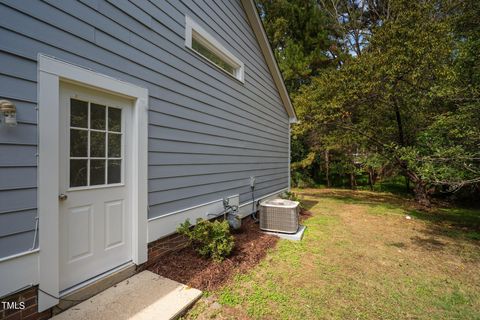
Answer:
(289, 236)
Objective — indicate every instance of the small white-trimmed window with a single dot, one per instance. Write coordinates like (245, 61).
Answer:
(200, 41)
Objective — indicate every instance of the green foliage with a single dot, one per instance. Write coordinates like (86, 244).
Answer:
(290, 195)
(210, 239)
(298, 31)
(402, 98)
(300, 179)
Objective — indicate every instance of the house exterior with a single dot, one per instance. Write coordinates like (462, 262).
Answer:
(132, 116)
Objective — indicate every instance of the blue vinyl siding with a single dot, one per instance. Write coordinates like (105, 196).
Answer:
(208, 133)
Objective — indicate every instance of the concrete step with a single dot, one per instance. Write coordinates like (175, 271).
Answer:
(87, 291)
(144, 296)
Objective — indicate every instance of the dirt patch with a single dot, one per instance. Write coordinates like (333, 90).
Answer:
(305, 214)
(187, 267)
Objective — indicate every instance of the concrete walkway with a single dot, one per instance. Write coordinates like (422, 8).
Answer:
(144, 296)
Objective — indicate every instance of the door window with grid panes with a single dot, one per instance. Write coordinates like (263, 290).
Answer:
(96, 144)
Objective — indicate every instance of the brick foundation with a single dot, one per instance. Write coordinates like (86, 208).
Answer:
(165, 245)
(30, 299)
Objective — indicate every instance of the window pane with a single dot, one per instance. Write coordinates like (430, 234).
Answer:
(78, 143)
(114, 119)
(78, 113)
(97, 144)
(78, 173)
(212, 56)
(97, 172)
(114, 171)
(97, 116)
(114, 145)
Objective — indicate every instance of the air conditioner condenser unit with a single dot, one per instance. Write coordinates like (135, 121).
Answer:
(279, 215)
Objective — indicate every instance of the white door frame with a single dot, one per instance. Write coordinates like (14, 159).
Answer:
(50, 72)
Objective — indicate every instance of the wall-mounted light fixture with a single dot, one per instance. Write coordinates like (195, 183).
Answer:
(8, 113)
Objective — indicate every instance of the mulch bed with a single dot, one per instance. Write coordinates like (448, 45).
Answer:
(188, 267)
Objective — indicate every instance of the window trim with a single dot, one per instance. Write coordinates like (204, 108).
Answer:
(192, 28)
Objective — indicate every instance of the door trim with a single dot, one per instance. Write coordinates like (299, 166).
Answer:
(50, 72)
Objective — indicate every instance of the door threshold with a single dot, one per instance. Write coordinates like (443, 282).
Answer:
(99, 277)
(87, 289)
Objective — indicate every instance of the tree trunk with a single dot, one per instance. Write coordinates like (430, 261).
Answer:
(353, 182)
(421, 194)
(327, 168)
(419, 189)
(370, 178)
(401, 136)
(351, 174)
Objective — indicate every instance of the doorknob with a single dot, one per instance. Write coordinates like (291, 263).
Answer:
(62, 196)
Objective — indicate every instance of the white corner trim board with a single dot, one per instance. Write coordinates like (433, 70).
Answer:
(51, 72)
(18, 272)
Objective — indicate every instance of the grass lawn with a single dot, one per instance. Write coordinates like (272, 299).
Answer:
(361, 258)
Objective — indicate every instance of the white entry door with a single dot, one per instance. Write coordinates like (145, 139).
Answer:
(94, 196)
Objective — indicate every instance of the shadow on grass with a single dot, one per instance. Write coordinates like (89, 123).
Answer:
(399, 245)
(389, 201)
(429, 243)
(308, 204)
(454, 222)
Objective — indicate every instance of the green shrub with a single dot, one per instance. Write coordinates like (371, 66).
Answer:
(289, 195)
(209, 239)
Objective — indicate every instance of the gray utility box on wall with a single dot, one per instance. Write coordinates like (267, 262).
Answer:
(279, 215)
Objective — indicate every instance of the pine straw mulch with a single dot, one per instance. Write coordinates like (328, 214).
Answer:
(188, 267)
